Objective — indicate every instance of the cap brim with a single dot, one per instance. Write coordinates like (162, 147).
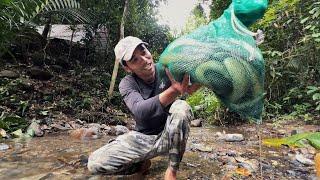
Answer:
(129, 53)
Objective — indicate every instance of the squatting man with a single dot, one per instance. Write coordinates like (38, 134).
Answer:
(162, 120)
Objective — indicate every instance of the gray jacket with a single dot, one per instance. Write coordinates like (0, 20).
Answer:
(143, 101)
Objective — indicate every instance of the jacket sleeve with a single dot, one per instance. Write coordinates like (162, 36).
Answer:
(144, 110)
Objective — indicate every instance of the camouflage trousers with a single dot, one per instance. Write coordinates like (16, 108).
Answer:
(135, 147)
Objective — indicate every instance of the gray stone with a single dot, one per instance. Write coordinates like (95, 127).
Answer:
(121, 130)
(196, 123)
(303, 160)
(251, 164)
(233, 137)
(3, 133)
(3, 147)
(35, 128)
(8, 74)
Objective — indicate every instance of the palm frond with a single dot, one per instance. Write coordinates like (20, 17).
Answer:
(18, 11)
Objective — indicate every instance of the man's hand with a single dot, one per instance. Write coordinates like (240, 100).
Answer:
(170, 174)
(182, 87)
(169, 95)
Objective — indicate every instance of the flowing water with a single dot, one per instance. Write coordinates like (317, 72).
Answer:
(58, 156)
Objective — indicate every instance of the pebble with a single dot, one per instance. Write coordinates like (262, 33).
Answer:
(196, 123)
(121, 130)
(300, 158)
(233, 137)
(3, 147)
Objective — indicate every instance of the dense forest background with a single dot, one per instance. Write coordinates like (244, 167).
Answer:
(42, 77)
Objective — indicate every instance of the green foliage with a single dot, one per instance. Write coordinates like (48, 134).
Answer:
(217, 8)
(204, 103)
(295, 140)
(291, 52)
(196, 19)
(314, 92)
(17, 16)
(12, 123)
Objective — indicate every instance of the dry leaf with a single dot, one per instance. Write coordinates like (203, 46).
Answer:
(317, 164)
(243, 171)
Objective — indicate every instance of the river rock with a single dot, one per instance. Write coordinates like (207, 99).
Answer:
(95, 126)
(3, 147)
(3, 133)
(8, 74)
(121, 130)
(85, 133)
(34, 129)
(232, 137)
(37, 73)
(196, 123)
(303, 160)
(251, 164)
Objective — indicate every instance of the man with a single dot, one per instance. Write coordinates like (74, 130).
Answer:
(162, 122)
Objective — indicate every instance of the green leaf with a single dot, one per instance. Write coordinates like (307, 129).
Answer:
(17, 134)
(312, 89)
(304, 20)
(315, 35)
(308, 27)
(316, 96)
(295, 140)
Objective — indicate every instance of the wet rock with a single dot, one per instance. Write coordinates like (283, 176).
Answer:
(59, 127)
(192, 165)
(94, 126)
(3, 147)
(106, 129)
(202, 148)
(37, 73)
(227, 160)
(232, 137)
(303, 160)
(196, 123)
(3, 133)
(296, 131)
(230, 167)
(121, 130)
(47, 176)
(34, 129)
(8, 74)
(232, 153)
(282, 131)
(74, 125)
(251, 164)
(85, 134)
(291, 173)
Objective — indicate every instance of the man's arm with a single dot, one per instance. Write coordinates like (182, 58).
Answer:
(169, 95)
(142, 109)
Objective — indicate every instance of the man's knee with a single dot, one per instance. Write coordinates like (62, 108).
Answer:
(182, 109)
(95, 165)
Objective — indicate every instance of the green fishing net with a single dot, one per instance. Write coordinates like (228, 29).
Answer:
(224, 57)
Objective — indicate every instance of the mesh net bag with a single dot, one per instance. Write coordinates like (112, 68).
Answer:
(224, 57)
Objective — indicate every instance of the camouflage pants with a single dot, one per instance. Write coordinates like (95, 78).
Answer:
(135, 147)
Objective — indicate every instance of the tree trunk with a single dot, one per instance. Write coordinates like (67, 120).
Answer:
(46, 28)
(116, 63)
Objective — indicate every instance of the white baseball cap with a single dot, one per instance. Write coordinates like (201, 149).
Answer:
(125, 48)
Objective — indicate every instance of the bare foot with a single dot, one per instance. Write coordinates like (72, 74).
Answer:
(170, 174)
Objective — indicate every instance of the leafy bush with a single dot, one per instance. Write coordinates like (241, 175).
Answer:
(204, 104)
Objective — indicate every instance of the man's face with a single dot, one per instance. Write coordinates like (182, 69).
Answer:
(142, 64)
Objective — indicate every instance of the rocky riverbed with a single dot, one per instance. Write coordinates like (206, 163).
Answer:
(209, 155)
